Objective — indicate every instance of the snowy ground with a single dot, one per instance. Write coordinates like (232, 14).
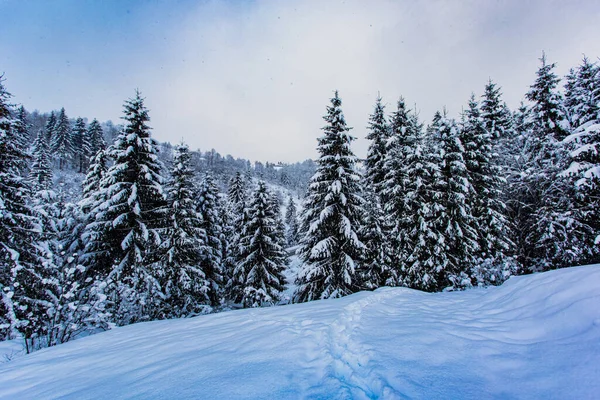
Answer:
(534, 337)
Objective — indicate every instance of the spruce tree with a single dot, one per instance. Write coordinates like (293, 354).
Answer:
(378, 134)
(62, 141)
(582, 93)
(50, 127)
(94, 139)
(41, 173)
(332, 250)
(185, 285)
(21, 126)
(209, 207)
(91, 190)
(291, 221)
(396, 180)
(128, 217)
(456, 221)
(485, 175)
(23, 309)
(258, 278)
(78, 141)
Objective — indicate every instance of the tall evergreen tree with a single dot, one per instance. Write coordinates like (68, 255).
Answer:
(209, 208)
(21, 127)
(396, 179)
(91, 190)
(379, 133)
(62, 141)
(291, 221)
(332, 250)
(127, 219)
(41, 173)
(50, 127)
(258, 275)
(24, 301)
(94, 139)
(582, 93)
(78, 141)
(184, 283)
(485, 176)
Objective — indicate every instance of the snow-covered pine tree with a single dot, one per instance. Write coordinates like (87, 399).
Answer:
(258, 278)
(332, 250)
(457, 223)
(41, 173)
(92, 182)
(378, 134)
(556, 236)
(94, 139)
(376, 270)
(23, 309)
(21, 126)
(425, 250)
(209, 207)
(485, 175)
(493, 113)
(78, 141)
(582, 93)
(291, 222)
(237, 191)
(184, 284)
(50, 127)
(62, 141)
(395, 180)
(584, 151)
(128, 217)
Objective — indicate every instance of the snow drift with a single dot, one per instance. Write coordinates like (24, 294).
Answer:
(534, 337)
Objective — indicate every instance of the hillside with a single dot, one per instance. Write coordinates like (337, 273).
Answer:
(536, 336)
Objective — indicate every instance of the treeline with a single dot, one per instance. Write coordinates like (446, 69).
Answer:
(144, 242)
(458, 203)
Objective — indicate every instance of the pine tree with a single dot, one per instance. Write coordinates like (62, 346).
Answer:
(184, 283)
(376, 271)
(258, 275)
(127, 219)
(209, 208)
(424, 244)
(457, 223)
(41, 173)
(555, 236)
(379, 132)
(291, 221)
(78, 140)
(396, 180)
(91, 193)
(24, 301)
(21, 127)
(62, 144)
(332, 250)
(493, 113)
(50, 127)
(582, 93)
(485, 175)
(237, 192)
(94, 139)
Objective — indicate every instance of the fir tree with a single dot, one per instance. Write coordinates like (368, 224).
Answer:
(184, 283)
(379, 133)
(78, 141)
(62, 144)
(396, 180)
(91, 192)
(21, 127)
(50, 127)
(291, 221)
(128, 216)
(582, 93)
(258, 275)
(332, 250)
(457, 223)
(485, 175)
(94, 139)
(24, 301)
(41, 173)
(209, 208)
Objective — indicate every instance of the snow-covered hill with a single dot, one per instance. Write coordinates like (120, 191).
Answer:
(534, 337)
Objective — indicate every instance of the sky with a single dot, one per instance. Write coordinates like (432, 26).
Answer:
(252, 78)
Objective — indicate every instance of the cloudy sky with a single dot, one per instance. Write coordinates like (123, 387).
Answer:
(252, 78)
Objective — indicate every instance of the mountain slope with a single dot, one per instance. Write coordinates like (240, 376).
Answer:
(534, 337)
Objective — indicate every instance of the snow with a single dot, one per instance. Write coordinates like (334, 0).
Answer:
(536, 336)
